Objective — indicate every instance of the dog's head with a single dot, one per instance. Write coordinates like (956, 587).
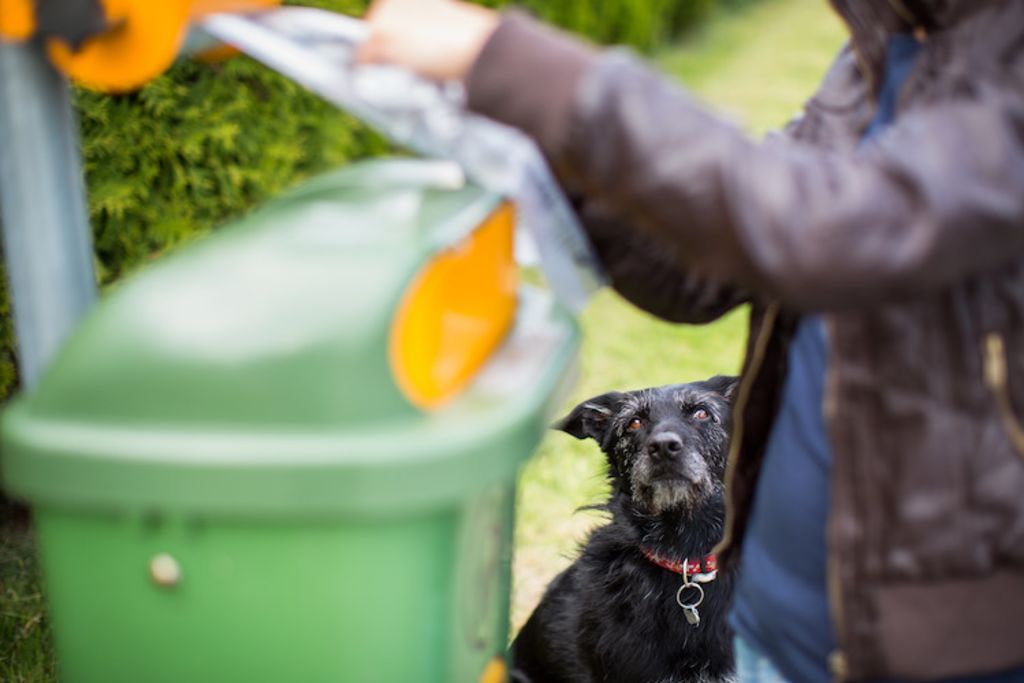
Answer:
(666, 446)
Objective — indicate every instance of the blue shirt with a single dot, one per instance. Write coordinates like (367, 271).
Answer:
(781, 605)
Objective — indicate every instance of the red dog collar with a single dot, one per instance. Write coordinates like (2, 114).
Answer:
(700, 570)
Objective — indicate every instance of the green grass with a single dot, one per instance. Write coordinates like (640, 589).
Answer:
(761, 64)
(24, 634)
(758, 64)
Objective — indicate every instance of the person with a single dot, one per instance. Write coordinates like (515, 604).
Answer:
(876, 476)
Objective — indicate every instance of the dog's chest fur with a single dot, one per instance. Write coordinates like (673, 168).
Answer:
(613, 616)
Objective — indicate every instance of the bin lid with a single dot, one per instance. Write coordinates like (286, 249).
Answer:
(247, 373)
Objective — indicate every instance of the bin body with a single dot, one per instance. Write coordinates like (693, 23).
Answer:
(415, 598)
(232, 411)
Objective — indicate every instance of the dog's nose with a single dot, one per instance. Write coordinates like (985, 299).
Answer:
(664, 445)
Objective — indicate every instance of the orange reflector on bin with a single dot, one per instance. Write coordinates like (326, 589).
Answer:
(455, 313)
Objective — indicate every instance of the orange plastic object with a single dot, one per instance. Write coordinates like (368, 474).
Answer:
(496, 672)
(455, 313)
(143, 40)
(17, 19)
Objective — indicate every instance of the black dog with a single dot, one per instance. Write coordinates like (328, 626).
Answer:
(621, 613)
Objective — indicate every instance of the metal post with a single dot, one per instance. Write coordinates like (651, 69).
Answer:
(47, 243)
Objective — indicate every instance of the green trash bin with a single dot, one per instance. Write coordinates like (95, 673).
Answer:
(235, 479)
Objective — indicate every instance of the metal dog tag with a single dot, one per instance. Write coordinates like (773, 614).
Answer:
(690, 608)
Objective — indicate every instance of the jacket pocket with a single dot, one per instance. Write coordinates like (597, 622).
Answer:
(997, 380)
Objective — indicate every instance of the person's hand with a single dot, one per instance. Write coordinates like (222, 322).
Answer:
(438, 39)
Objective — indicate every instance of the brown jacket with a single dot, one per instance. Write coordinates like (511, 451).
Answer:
(913, 246)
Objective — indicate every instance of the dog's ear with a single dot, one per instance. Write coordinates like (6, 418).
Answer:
(591, 418)
(724, 385)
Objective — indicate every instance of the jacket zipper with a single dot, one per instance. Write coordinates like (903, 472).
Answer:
(997, 380)
(742, 396)
(837, 662)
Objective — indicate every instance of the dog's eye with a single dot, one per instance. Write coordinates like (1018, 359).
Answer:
(701, 414)
(635, 424)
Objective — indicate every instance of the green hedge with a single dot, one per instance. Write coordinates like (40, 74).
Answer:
(205, 142)
(197, 146)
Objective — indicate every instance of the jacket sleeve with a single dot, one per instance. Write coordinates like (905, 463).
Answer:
(649, 276)
(936, 197)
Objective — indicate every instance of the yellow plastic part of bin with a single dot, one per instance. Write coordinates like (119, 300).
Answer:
(455, 314)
